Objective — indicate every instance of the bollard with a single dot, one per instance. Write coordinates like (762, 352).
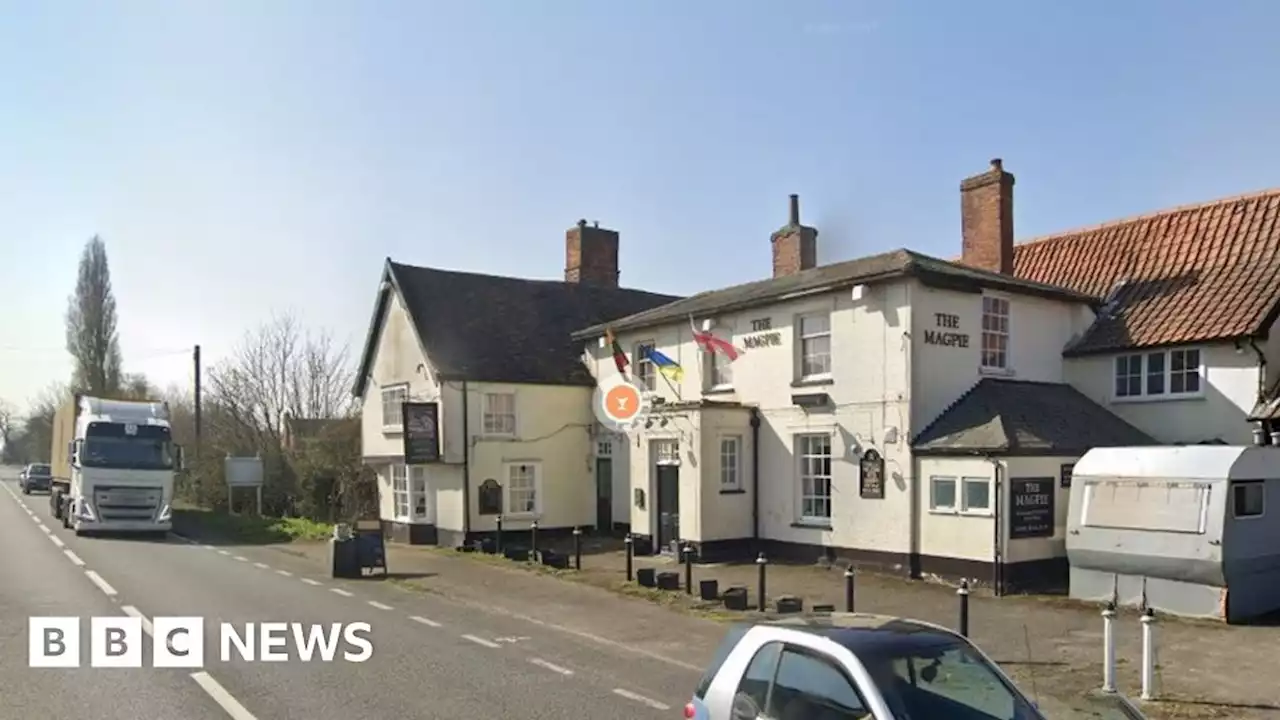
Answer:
(498, 540)
(629, 542)
(577, 548)
(963, 592)
(1149, 689)
(688, 569)
(848, 589)
(533, 541)
(1109, 648)
(763, 602)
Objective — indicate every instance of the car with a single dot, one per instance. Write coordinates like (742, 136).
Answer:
(853, 666)
(36, 476)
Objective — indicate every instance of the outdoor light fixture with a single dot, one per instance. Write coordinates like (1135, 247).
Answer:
(663, 423)
(648, 424)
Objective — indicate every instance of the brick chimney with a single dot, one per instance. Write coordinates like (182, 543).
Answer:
(795, 246)
(591, 255)
(986, 220)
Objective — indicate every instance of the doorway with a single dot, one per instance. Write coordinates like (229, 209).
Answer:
(666, 455)
(604, 495)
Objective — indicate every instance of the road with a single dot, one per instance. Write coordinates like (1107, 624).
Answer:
(432, 658)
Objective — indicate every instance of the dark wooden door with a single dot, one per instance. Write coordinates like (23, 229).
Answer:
(604, 495)
(668, 505)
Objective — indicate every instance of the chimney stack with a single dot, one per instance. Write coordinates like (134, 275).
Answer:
(591, 255)
(986, 220)
(795, 246)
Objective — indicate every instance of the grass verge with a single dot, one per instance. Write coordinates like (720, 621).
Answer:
(210, 525)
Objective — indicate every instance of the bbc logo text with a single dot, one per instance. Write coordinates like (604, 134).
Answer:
(179, 642)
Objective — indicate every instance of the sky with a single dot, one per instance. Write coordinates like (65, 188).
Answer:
(244, 159)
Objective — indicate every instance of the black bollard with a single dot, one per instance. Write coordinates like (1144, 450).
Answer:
(848, 589)
(577, 548)
(498, 540)
(688, 569)
(763, 602)
(629, 542)
(533, 541)
(963, 592)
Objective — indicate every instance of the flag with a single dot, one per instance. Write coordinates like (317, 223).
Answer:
(712, 344)
(666, 365)
(619, 357)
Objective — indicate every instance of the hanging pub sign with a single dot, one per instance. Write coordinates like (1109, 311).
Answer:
(1031, 508)
(421, 433)
(490, 497)
(871, 475)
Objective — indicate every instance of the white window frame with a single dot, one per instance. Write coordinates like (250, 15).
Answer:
(498, 414)
(730, 447)
(646, 372)
(604, 448)
(960, 506)
(1157, 384)
(1236, 487)
(954, 482)
(718, 371)
(419, 489)
(803, 338)
(803, 453)
(393, 399)
(994, 353)
(401, 508)
(509, 489)
(963, 497)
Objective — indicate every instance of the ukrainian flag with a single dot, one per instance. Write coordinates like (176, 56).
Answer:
(666, 366)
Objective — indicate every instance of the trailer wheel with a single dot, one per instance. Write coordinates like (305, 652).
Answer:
(55, 503)
(66, 513)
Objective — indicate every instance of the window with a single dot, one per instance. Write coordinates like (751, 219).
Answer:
(418, 491)
(1162, 373)
(815, 345)
(727, 646)
(966, 495)
(400, 492)
(666, 452)
(499, 414)
(809, 686)
(956, 678)
(393, 400)
(814, 454)
(1248, 499)
(976, 495)
(995, 333)
(644, 366)
(719, 371)
(522, 488)
(604, 448)
(730, 463)
(942, 494)
(754, 685)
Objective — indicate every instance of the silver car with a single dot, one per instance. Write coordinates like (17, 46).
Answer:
(843, 666)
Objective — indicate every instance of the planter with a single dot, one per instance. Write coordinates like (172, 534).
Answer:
(646, 577)
(709, 589)
(787, 605)
(668, 580)
(735, 598)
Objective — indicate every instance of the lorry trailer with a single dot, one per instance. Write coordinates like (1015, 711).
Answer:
(113, 463)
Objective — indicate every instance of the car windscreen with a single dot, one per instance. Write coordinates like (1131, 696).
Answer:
(40, 470)
(722, 653)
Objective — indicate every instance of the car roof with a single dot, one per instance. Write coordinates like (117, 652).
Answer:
(864, 633)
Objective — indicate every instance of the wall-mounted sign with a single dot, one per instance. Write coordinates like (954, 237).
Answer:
(421, 433)
(490, 497)
(871, 475)
(946, 334)
(1064, 475)
(763, 335)
(1030, 508)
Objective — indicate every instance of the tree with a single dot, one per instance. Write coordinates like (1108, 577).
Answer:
(7, 426)
(92, 338)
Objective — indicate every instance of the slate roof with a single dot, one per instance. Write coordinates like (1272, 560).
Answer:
(892, 265)
(1188, 274)
(488, 328)
(1018, 417)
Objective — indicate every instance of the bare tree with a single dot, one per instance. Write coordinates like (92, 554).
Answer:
(92, 338)
(7, 424)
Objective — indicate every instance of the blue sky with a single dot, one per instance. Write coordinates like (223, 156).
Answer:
(242, 158)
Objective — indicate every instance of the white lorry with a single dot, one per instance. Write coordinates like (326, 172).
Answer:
(113, 466)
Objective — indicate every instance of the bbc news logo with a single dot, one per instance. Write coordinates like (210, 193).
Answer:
(178, 642)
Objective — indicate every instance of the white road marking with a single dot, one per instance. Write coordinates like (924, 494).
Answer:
(206, 547)
(309, 581)
(620, 692)
(481, 641)
(35, 519)
(223, 552)
(132, 611)
(380, 606)
(221, 696)
(264, 566)
(96, 579)
(73, 557)
(46, 529)
(424, 621)
(550, 666)
(241, 558)
(341, 592)
(57, 541)
(285, 573)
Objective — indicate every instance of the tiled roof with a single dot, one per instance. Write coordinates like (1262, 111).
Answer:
(1190, 274)
(825, 278)
(1028, 418)
(499, 329)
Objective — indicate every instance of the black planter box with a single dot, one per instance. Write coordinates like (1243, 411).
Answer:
(735, 598)
(560, 561)
(668, 580)
(709, 589)
(488, 545)
(824, 608)
(646, 577)
(518, 554)
(788, 604)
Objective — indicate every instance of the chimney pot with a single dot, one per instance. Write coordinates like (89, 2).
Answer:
(582, 223)
(795, 211)
(997, 164)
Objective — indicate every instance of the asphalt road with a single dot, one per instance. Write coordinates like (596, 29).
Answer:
(432, 658)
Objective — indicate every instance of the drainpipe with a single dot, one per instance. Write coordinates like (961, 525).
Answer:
(755, 474)
(1264, 425)
(466, 467)
(997, 550)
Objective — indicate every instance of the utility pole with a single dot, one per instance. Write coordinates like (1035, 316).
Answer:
(195, 358)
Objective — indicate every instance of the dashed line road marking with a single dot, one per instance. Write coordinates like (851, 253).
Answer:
(35, 519)
(620, 692)
(103, 585)
(424, 621)
(341, 592)
(550, 666)
(264, 566)
(241, 558)
(285, 573)
(73, 557)
(46, 529)
(481, 641)
(223, 552)
(206, 547)
(380, 606)
(309, 581)
(132, 611)
(57, 541)
(221, 696)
